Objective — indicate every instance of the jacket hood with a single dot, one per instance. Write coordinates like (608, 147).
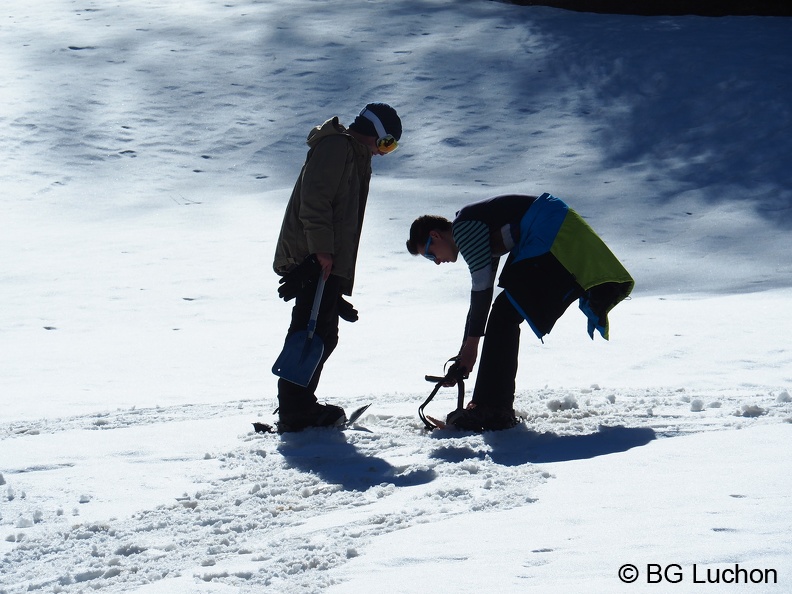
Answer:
(330, 128)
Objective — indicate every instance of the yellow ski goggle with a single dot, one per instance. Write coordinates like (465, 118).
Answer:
(386, 143)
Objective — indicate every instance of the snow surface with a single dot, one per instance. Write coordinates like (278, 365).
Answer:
(148, 150)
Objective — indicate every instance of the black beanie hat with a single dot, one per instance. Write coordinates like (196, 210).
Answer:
(385, 113)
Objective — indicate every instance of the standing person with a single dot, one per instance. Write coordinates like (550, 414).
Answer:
(320, 235)
(554, 259)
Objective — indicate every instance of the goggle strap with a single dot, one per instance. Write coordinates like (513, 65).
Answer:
(372, 117)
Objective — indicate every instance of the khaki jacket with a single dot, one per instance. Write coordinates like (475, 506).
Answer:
(326, 208)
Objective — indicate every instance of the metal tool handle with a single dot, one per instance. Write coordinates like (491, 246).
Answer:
(317, 302)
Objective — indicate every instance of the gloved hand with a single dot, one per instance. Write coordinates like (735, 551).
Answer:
(306, 273)
(346, 311)
(456, 371)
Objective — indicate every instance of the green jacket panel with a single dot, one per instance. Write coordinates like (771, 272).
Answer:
(586, 256)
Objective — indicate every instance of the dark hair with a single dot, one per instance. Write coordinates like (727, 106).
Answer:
(420, 229)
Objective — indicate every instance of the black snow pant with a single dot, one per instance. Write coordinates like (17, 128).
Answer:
(495, 381)
(292, 397)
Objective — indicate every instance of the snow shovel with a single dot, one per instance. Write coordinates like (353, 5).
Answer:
(302, 350)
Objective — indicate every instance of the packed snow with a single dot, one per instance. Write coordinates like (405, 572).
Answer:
(148, 151)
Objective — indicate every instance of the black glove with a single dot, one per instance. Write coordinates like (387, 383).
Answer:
(300, 277)
(346, 311)
(455, 371)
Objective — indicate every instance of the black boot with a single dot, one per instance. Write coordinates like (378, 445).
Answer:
(481, 417)
(317, 415)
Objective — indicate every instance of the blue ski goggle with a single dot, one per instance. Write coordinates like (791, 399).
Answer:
(426, 253)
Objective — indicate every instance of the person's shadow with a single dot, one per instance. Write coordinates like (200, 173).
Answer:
(328, 454)
(522, 446)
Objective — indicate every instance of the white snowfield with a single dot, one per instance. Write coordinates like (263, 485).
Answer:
(183, 499)
(147, 150)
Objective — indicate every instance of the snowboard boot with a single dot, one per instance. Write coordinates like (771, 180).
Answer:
(317, 415)
(480, 417)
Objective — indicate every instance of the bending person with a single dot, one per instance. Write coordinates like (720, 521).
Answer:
(554, 258)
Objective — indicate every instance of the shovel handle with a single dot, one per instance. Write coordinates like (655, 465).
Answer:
(317, 302)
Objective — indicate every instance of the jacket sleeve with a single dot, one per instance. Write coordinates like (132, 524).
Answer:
(322, 177)
(473, 240)
(479, 312)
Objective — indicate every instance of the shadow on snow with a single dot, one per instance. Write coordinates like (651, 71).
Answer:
(523, 446)
(328, 454)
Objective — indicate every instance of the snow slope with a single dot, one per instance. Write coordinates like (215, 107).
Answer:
(148, 149)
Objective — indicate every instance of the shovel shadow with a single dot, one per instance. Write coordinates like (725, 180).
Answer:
(327, 454)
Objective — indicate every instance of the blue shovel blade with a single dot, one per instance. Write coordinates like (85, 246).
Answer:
(299, 358)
